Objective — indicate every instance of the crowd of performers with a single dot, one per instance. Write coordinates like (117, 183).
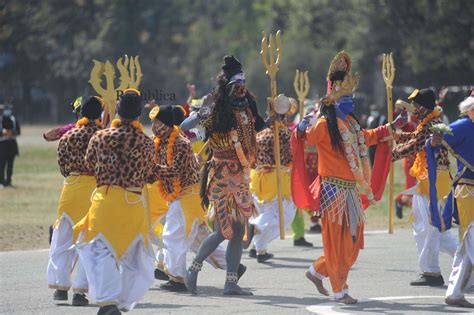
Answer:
(207, 174)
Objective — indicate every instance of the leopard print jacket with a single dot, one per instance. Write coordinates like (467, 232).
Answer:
(265, 149)
(185, 165)
(72, 149)
(408, 144)
(121, 156)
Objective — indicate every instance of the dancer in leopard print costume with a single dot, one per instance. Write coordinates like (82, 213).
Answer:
(429, 241)
(263, 178)
(113, 243)
(79, 183)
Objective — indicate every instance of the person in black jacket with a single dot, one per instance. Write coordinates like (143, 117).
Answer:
(9, 129)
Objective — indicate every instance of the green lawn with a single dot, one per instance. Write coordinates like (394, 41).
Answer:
(27, 211)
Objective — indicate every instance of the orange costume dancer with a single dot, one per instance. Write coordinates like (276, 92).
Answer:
(343, 164)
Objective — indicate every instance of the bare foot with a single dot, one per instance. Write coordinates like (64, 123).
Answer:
(318, 283)
(347, 299)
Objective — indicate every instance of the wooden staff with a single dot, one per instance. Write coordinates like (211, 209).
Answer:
(388, 73)
(271, 66)
(301, 85)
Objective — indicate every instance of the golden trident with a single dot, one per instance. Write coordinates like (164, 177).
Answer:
(271, 67)
(388, 73)
(130, 77)
(301, 85)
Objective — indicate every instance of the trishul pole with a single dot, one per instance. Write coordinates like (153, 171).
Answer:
(271, 66)
(388, 73)
(301, 85)
(130, 77)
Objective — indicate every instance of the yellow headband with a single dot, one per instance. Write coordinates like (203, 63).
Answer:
(414, 94)
(132, 90)
(154, 112)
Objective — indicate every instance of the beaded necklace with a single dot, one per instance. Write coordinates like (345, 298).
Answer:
(354, 148)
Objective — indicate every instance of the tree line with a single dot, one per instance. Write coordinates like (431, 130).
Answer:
(47, 47)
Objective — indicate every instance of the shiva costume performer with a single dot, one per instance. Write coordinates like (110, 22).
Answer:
(340, 142)
(231, 129)
(113, 244)
(460, 201)
(263, 178)
(429, 241)
(178, 184)
(79, 184)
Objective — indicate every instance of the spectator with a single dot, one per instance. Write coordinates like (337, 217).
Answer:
(9, 129)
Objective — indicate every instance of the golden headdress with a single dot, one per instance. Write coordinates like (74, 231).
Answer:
(340, 80)
(341, 62)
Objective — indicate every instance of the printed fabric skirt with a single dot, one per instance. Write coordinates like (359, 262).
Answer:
(229, 195)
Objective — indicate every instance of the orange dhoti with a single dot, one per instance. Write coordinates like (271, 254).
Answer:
(342, 233)
(340, 253)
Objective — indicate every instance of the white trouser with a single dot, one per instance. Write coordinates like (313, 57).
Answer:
(267, 222)
(429, 241)
(462, 276)
(176, 244)
(122, 282)
(62, 259)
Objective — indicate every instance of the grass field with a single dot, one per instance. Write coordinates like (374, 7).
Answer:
(28, 210)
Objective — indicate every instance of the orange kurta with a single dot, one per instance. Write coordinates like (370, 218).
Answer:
(340, 248)
(333, 163)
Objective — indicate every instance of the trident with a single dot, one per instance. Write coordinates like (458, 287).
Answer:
(301, 85)
(388, 73)
(271, 66)
(130, 77)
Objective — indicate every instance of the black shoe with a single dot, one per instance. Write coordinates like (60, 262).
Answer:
(253, 253)
(161, 275)
(250, 233)
(398, 209)
(264, 257)
(240, 272)
(174, 286)
(79, 299)
(425, 280)
(109, 310)
(315, 229)
(60, 295)
(302, 242)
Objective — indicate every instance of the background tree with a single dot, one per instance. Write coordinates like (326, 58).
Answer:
(46, 47)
